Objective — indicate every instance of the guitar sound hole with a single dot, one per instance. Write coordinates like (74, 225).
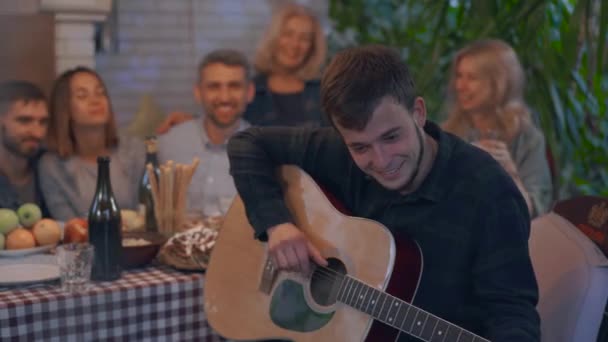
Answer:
(325, 282)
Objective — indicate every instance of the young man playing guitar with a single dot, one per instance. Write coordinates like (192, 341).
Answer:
(384, 160)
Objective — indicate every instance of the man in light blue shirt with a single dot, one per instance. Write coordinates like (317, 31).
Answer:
(224, 89)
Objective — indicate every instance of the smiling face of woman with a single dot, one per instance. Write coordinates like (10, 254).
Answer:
(473, 89)
(295, 42)
(88, 101)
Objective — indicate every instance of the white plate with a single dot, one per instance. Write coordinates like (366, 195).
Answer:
(13, 253)
(27, 273)
(26, 251)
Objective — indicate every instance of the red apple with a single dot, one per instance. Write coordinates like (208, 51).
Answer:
(76, 230)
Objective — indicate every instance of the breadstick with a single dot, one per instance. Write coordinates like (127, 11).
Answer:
(169, 198)
(181, 197)
(163, 197)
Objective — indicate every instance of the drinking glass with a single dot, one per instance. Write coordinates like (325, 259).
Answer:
(75, 261)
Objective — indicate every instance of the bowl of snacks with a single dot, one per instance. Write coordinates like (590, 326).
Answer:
(140, 248)
(189, 250)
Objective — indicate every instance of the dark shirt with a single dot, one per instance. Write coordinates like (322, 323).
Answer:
(468, 217)
(302, 109)
(9, 195)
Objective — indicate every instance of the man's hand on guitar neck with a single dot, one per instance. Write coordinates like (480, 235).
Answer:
(291, 250)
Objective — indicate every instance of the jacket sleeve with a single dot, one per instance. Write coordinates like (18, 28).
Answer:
(256, 153)
(503, 279)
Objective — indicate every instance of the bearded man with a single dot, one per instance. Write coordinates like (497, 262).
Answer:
(24, 119)
(223, 89)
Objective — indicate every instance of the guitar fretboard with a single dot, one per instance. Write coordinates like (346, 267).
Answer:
(400, 314)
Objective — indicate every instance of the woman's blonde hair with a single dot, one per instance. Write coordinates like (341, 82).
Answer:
(496, 61)
(60, 136)
(264, 61)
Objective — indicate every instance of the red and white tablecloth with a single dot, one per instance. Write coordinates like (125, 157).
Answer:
(151, 304)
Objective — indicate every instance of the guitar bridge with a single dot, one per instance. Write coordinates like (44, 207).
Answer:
(269, 275)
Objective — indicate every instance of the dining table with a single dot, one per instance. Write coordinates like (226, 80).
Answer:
(154, 303)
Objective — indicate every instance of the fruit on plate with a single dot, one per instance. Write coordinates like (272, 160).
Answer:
(29, 214)
(76, 230)
(131, 220)
(20, 238)
(8, 220)
(46, 232)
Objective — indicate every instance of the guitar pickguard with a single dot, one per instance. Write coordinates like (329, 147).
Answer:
(289, 310)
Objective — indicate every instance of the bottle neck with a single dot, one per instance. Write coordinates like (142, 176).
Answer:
(103, 175)
(151, 158)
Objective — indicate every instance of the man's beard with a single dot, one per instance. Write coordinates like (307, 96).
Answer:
(221, 124)
(409, 183)
(14, 148)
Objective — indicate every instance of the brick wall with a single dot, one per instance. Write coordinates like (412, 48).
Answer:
(159, 44)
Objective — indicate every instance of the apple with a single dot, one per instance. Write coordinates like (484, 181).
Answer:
(76, 230)
(29, 214)
(8, 220)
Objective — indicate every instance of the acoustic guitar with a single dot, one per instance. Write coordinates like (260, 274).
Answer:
(365, 293)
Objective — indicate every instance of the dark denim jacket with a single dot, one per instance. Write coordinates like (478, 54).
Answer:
(298, 109)
(10, 199)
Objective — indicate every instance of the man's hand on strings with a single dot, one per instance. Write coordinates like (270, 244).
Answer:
(291, 250)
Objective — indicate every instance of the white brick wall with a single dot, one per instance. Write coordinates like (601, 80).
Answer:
(161, 41)
(73, 45)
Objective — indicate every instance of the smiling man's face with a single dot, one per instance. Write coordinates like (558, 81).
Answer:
(24, 127)
(389, 147)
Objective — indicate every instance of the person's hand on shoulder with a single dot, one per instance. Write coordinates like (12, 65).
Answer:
(291, 250)
(173, 119)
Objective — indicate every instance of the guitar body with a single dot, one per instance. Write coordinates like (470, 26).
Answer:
(247, 299)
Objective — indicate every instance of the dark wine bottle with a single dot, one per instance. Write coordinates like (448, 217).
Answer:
(146, 201)
(105, 227)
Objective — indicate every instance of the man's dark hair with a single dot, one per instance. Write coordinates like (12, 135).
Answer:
(358, 78)
(14, 91)
(228, 57)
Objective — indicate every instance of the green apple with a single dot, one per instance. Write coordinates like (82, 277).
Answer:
(29, 214)
(8, 220)
(1, 242)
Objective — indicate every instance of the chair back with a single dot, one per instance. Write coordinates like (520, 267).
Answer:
(571, 269)
(589, 214)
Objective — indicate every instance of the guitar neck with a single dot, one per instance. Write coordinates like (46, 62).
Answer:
(400, 314)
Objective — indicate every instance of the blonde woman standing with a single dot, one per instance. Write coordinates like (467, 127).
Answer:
(288, 63)
(486, 107)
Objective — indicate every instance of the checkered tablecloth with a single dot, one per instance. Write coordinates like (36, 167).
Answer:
(152, 304)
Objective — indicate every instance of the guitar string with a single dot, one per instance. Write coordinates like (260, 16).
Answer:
(326, 272)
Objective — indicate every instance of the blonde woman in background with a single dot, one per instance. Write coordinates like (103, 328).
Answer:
(81, 128)
(288, 66)
(486, 107)
(288, 63)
